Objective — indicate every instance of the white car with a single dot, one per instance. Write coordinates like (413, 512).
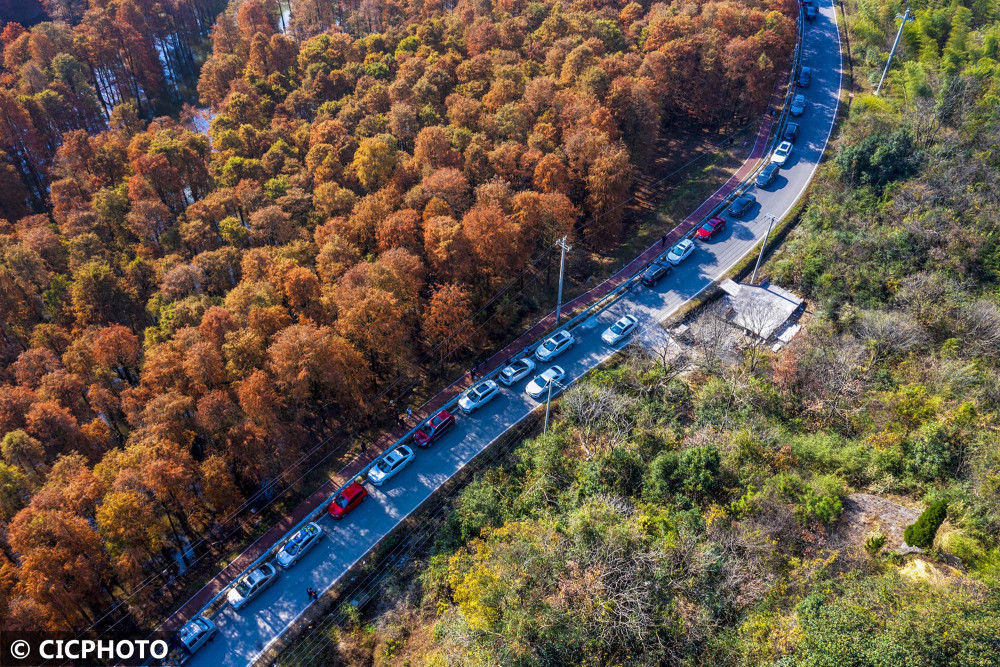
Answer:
(387, 466)
(516, 370)
(620, 330)
(478, 395)
(251, 584)
(781, 153)
(680, 251)
(196, 633)
(539, 387)
(298, 544)
(554, 345)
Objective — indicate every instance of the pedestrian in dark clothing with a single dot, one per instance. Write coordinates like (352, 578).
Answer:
(364, 446)
(663, 240)
(313, 595)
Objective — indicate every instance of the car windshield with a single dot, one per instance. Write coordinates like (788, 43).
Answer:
(619, 326)
(341, 501)
(383, 465)
(549, 345)
(243, 588)
(435, 421)
(292, 548)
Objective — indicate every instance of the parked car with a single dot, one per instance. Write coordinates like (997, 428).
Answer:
(805, 77)
(680, 251)
(811, 11)
(516, 371)
(387, 466)
(347, 500)
(791, 132)
(478, 395)
(434, 428)
(539, 386)
(655, 272)
(554, 345)
(620, 330)
(711, 227)
(781, 153)
(251, 585)
(196, 633)
(298, 544)
(742, 204)
(768, 174)
(798, 105)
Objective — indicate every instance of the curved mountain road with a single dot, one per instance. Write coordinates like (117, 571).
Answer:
(243, 636)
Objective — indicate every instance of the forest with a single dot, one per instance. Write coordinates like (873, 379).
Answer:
(707, 508)
(185, 313)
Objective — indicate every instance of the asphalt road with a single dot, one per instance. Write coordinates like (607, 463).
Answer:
(243, 635)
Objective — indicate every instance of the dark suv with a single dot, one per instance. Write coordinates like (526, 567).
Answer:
(791, 132)
(654, 273)
(767, 175)
(805, 77)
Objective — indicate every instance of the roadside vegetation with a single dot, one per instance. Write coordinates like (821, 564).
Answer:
(709, 509)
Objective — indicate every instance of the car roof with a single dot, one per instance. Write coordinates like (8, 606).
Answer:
(256, 576)
(561, 334)
(193, 628)
(352, 490)
(301, 535)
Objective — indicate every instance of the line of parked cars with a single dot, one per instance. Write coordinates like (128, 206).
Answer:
(200, 630)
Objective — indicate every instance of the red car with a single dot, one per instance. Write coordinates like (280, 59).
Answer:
(346, 500)
(434, 428)
(710, 228)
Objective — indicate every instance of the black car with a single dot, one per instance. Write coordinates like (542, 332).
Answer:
(810, 11)
(654, 273)
(742, 204)
(767, 175)
(805, 77)
(791, 132)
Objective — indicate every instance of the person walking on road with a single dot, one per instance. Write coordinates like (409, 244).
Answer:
(313, 595)
(409, 412)
(663, 241)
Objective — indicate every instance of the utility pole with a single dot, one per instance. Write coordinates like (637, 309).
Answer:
(906, 17)
(562, 264)
(548, 404)
(770, 223)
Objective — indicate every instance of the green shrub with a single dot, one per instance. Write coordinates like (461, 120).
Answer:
(878, 159)
(874, 544)
(921, 533)
(698, 471)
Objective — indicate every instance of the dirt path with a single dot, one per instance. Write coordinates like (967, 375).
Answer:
(865, 514)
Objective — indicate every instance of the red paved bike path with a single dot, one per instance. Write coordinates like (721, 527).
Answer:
(279, 529)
